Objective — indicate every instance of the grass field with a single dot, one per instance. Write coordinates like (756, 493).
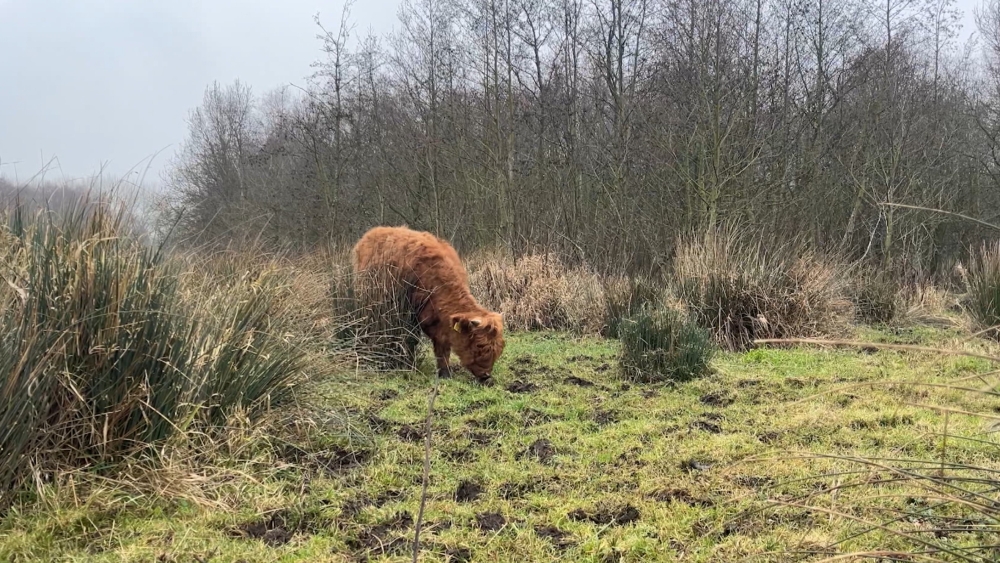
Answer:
(560, 460)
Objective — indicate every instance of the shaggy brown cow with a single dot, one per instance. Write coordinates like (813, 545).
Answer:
(437, 288)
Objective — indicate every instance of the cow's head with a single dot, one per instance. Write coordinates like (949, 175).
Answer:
(477, 339)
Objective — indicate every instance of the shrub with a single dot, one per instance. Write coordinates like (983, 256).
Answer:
(877, 298)
(625, 297)
(983, 283)
(660, 343)
(743, 289)
(103, 354)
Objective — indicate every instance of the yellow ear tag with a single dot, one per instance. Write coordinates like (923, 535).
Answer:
(456, 328)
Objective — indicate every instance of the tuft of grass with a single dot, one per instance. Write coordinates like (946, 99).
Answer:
(104, 355)
(743, 288)
(877, 298)
(983, 285)
(661, 343)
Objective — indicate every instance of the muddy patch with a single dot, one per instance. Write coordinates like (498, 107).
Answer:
(682, 496)
(273, 531)
(753, 481)
(769, 437)
(332, 461)
(717, 399)
(511, 491)
(558, 537)
(605, 417)
(386, 538)
(694, 465)
(650, 393)
(519, 386)
(706, 425)
(490, 521)
(617, 516)
(387, 394)
(410, 433)
(355, 505)
(534, 417)
(578, 381)
(468, 491)
(459, 455)
(602, 368)
(540, 449)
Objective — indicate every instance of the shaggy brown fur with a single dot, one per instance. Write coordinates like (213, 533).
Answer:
(437, 288)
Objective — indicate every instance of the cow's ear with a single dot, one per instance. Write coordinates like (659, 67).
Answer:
(458, 323)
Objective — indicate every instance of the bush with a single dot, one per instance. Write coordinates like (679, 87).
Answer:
(660, 343)
(743, 289)
(983, 283)
(877, 298)
(625, 297)
(104, 354)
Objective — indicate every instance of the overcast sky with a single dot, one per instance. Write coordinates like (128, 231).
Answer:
(92, 82)
(95, 82)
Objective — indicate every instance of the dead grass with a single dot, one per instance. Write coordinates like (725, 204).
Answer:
(539, 291)
(745, 287)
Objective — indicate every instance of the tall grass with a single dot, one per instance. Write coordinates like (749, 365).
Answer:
(104, 352)
(745, 287)
(983, 284)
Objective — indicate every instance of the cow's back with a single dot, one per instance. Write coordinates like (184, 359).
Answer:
(416, 255)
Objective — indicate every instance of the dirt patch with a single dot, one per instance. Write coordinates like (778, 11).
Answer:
(650, 393)
(377, 423)
(534, 417)
(745, 383)
(769, 437)
(618, 516)
(510, 491)
(602, 368)
(273, 531)
(519, 386)
(468, 491)
(578, 381)
(603, 417)
(717, 399)
(692, 465)
(459, 455)
(354, 506)
(490, 521)
(554, 535)
(332, 461)
(540, 449)
(753, 481)
(410, 433)
(707, 426)
(580, 358)
(387, 394)
(384, 538)
(682, 496)
(481, 438)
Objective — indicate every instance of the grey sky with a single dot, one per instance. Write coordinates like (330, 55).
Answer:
(112, 81)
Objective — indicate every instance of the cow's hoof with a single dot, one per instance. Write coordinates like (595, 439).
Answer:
(444, 373)
(485, 381)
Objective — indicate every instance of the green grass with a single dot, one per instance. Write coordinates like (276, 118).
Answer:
(683, 462)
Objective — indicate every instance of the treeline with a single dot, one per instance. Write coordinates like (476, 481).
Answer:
(605, 128)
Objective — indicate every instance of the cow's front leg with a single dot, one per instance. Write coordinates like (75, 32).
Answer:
(442, 352)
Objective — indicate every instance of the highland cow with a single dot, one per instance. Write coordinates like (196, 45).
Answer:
(437, 288)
